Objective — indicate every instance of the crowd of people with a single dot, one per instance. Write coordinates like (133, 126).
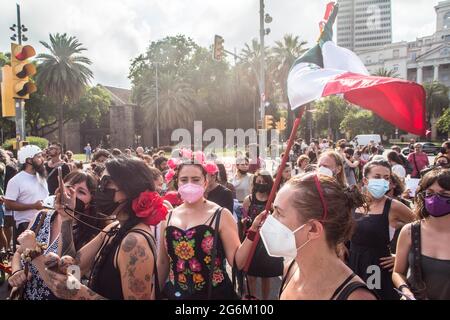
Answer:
(147, 225)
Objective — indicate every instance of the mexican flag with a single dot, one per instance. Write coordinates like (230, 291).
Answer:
(327, 69)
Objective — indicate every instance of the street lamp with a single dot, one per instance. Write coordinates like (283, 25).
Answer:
(263, 18)
(157, 104)
(157, 99)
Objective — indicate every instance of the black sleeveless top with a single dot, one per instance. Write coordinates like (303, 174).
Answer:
(190, 253)
(369, 243)
(262, 265)
(345, 289)
(434, 273)
(107, 282)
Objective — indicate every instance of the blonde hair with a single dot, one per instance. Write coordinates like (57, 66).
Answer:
(340, 177)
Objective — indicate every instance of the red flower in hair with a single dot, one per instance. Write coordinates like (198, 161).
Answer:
(149, 206)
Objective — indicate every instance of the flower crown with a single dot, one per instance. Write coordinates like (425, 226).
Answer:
(189, 157)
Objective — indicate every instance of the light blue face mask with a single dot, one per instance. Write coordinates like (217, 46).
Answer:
(378, 187)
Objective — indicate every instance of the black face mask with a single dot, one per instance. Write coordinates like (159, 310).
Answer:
(79, 206)
(443, 150)
(104, 201)
(263, 188)
(243, 171)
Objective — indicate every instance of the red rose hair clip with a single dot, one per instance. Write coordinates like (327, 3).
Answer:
(150, 206)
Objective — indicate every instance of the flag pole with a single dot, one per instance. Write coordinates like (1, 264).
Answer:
(277, 182)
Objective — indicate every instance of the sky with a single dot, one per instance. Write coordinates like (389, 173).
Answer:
(116, 31)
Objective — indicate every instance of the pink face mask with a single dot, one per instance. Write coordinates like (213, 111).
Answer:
(190, 192)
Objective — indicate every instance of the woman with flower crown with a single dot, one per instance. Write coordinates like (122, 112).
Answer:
(197, 237)
(122, 258)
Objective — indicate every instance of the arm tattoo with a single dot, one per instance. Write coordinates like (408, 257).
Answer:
(129, 243)
(94, 296)
(137, 284)
(66, 245)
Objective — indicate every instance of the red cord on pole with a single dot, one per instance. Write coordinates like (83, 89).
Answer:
(277, 182)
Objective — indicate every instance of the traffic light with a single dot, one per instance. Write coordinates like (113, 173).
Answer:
(268, 122)
(218, 50)
(22, 69)
(8, 107)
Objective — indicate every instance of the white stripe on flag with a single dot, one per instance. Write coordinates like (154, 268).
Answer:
(339, 58)
(306, 83)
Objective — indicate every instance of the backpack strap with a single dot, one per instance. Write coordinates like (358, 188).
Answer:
(55, 168)
(417, 284)
(214, 251)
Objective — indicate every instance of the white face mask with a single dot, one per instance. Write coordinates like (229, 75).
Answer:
(325, 171)
(278, 239)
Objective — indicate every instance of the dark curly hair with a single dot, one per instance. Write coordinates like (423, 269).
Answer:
(439, 175)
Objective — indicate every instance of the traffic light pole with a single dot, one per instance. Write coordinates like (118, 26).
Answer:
(262, 83)
(20, 105)
(20, 120)
(157, 106)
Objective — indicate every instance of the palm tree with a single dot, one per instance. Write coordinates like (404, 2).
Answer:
(63, 73)
(437, 100)
(383, 72)
(284, 54)
(252, 59)
(176, 101)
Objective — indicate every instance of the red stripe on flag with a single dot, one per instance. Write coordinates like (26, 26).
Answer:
(397, 101)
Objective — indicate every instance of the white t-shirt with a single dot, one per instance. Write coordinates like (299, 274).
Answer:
(26, 188)
(242, 186)
(399, 170)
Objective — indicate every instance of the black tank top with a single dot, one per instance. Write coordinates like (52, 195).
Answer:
(107, 282)
(345, 289)
(372, 231)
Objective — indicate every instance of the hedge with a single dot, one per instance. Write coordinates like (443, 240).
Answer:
(40, 142)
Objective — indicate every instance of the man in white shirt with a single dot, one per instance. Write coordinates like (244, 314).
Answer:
(27, 189)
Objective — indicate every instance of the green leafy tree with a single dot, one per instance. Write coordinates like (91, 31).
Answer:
(443, 123)
(42, 112)
(4, 58)
(357, 121)
(437, 100)
(330, 112)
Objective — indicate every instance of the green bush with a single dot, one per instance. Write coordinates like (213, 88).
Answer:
(37, 141)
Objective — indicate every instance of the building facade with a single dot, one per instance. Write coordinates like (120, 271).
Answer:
(364, 24)
(424, 60)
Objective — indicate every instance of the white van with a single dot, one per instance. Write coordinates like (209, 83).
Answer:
(365, 139)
